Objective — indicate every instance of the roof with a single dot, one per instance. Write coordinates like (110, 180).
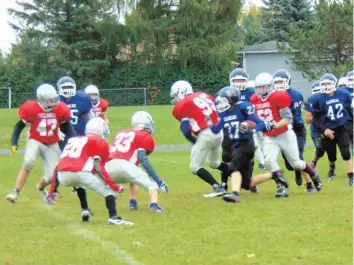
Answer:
(266, 47)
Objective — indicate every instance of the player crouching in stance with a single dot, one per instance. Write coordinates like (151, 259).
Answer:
(191, 109)
(129, 148)
(330, 111)
(233, 116)
(45, 116)
(274, 106)
(82, 165)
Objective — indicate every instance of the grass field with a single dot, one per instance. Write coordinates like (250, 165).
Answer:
(302, 229)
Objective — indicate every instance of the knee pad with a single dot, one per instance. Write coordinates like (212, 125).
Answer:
(345, 152)
(194, 168)
(215, 165)
(299, 165)
(28, 164)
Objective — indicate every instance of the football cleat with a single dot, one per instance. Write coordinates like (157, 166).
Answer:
(282, 192)
(86, 215)
(154, 207)
(254, 189)
(218, 191)
(310, 188)
(317, 181)
(351, 181)
(12, 197)
(298, 180)
(115, 220)
(43, 193)
(133, 205)
(331, 175)
(231, 197)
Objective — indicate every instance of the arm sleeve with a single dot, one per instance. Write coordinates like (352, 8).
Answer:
(20, 125)
(144, 160)
(285, 113)
(186, 132)
(67, 129)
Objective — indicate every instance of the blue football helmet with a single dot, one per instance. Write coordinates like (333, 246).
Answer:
(66, 87)
(281, 80)
(227, 97)
(328, 83)
(350, 79)
(316, 88)
(238, 79)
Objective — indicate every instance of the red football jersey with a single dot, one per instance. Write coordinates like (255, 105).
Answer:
(195, 107)
(80, 152)
(44, 124)
(100, 107)
(269, 108)
(127, 143)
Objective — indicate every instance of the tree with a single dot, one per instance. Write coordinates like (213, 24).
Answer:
(278, 15)
(328, 46)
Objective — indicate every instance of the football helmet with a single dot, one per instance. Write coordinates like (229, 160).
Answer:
(227, 97)
(94, 93)
(343, 81)
(281, 80)
(264, 85)
(316, 88)
(350, 79)
(238, 79)
(328, 83)
(142, 120)
(66, 87)
(179, 90)
(97, 126)
(47, 97)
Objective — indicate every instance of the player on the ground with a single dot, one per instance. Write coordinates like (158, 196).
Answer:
(99, 105)
(233, 114)
(191, 109)
(82, 165)
(282, 82)
(346, 84)
(44, 115)
(274, 106)
(329, 111)
(129, 149)
(317, 138)
(78, 102)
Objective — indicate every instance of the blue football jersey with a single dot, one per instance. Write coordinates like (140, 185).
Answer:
(346, 89)
(333, 111)
(232, 118)
(297, 100)
(80, 105)
(247, 94)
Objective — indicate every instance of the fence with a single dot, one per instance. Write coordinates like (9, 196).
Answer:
(115, 97)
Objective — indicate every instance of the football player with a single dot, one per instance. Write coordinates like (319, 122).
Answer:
(78, 102)
(329, 111)
(274, 106)
(129, 149)
(45, 116)
(317, 138)
(346, 84)
(282, 82)
(233, 113)
(191, 109)
(82, 165)
(99, 105)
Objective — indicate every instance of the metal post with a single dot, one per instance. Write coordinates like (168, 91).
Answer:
(145, 101)
(10, 98)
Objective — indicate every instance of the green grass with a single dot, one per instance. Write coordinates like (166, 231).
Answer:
(302, 229)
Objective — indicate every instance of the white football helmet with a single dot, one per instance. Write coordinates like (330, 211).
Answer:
(264, 85)
(142, 120)
(97, 126)
(47, 97)
(66, 87)
(94, 93)
(251, 83)
(179, 90)
(343, 81)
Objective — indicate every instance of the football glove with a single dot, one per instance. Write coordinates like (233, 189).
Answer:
(163, 186)
(14, 150)
(270, 126)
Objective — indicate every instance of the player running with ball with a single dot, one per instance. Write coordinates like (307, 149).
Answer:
(233, 115)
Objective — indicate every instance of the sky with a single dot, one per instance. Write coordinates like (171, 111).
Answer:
(7, 34)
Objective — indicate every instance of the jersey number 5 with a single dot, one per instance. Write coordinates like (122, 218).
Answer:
(74, 116)
(122, 142)
(46, 127)
(332, 114)
(204, 103)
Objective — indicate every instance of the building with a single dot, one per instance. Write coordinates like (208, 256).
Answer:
(266, 57)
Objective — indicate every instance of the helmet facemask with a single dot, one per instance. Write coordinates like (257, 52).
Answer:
(67, 90)
(239, 83)
(281, 84)
(328, 86)
(222, 104)
(48, 104)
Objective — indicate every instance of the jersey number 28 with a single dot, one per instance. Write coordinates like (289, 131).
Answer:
(206, 104)
(74, 147)
(122, 142)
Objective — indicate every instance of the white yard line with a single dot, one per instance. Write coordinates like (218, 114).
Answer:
(79, 230)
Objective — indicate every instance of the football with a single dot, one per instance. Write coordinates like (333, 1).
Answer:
(248, 124)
